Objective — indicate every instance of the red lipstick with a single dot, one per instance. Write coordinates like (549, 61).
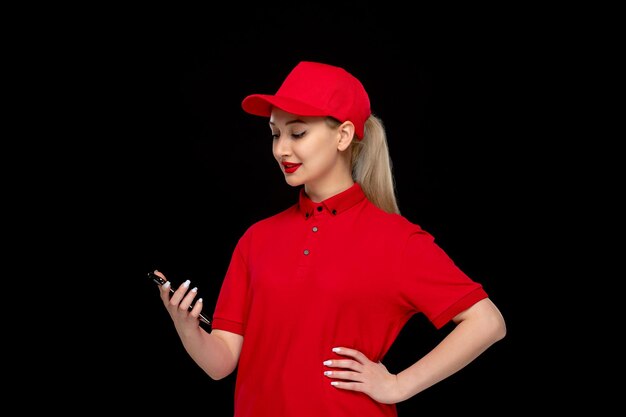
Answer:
(290, 167)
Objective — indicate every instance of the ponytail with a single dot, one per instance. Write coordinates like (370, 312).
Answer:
(371, 166)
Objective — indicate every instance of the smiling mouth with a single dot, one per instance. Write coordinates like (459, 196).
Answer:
(290, 168)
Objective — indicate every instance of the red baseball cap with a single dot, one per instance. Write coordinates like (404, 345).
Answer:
(316, 89)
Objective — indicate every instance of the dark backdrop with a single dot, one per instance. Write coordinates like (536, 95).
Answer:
(183, 171)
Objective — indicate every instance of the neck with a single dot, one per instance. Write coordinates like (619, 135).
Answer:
(320, 192)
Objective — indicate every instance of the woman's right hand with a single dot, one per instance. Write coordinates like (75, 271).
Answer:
(177, 304)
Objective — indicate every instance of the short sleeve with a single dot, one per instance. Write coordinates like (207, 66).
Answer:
(232, 302)
(432, 283)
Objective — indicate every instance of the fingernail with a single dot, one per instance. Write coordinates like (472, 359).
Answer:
(334, 383)
(336, 349)
(186, 284)
(328, 362)
(328, 373)
(166, 285)
(194, 289)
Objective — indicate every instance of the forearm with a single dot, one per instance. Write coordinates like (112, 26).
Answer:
(471, 337)
(210, 351)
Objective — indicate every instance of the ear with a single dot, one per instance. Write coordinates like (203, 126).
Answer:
(346, 135)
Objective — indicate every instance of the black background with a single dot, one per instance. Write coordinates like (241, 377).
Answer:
(175, 172)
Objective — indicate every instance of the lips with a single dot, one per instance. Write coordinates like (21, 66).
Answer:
(290, 167)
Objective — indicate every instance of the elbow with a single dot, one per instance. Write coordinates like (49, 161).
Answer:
(490, 321)
(493, 321)
(217, 377)
(487, 321)
(500, 331)
(221, 371)
(498, 327)
(218, 374)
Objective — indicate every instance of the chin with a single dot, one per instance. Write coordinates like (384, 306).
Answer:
(292, 181)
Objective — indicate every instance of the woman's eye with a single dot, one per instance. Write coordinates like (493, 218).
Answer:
(275, 135)
(298, 135)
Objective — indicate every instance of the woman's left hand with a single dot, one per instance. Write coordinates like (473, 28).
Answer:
(361, 374)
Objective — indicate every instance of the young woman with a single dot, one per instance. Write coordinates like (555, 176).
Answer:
(315, 295)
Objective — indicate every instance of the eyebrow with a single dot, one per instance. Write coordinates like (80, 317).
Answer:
(290, 122)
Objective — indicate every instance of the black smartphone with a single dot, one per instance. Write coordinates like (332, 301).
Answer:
(160, 281)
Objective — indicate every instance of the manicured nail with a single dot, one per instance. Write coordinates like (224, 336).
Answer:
(199, 300)
(336, 349)
(194, 289)
(186, 284)
(166, 285)
(329, 362)
(335, 383)
(328, 373)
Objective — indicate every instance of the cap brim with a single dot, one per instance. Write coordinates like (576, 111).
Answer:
(261, 105)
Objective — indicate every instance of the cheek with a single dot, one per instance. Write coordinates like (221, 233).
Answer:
(311, 151)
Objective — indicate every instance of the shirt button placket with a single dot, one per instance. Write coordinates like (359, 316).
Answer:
(310, 242)
(314, 229)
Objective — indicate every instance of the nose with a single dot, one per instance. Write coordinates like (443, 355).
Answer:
(281, 147)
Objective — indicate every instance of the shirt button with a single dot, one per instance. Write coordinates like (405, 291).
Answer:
(315, 228)
(306, 252)
(334, 211)
(319, 208)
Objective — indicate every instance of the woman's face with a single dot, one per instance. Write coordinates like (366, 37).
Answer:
(306, 149)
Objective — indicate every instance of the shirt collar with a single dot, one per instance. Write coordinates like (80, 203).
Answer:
(334, 205)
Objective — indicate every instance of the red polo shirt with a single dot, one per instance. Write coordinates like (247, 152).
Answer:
(318, 275)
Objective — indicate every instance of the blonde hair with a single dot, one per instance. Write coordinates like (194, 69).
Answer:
(371, 166)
